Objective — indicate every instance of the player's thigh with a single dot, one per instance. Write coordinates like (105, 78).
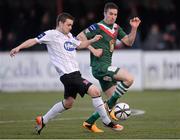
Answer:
(109, 92)
(106, 84)
(123, 75)
(84, 86)
(70, 91)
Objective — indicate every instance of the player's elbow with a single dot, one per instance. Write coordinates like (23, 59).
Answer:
(81, 36)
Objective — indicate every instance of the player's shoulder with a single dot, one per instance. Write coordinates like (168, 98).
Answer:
(93, 27)
(52, 31)
(71, 36)
(47, 34)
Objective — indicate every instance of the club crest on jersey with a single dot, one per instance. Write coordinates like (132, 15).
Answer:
(69, 46)
(86, 82)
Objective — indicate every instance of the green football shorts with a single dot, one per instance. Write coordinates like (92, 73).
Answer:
(105, 76)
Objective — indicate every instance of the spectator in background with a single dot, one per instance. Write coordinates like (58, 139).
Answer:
(19, 15)
(11, 39)
(169, 38)
(1, 39)
(153, 38)
(45, 22)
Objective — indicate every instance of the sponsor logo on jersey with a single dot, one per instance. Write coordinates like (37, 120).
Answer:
(69, 46)
(41, 35)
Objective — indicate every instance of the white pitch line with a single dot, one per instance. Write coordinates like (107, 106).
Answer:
(60, 119)
(134, 112)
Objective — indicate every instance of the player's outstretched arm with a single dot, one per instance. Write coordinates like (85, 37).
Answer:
(26, 44)
(86, 43)
(130, 38)
(96, 52)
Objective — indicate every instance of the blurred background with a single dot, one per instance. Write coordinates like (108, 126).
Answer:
(154, 58)
(22, 19)
(154, 61)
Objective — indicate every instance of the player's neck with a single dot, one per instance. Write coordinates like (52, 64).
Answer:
(106, 22)
(60, 30)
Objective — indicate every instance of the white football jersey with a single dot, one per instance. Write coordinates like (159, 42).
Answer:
(61, 49)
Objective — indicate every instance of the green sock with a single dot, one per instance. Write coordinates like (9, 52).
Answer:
(93, 118)
(112, 101)
(120, 90)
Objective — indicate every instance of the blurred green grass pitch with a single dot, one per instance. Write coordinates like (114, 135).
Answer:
(161, 119)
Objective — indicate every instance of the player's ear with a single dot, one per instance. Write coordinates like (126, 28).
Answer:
(104, 13)
(60, 23)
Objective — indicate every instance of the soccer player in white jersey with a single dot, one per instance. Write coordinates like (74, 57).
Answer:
(62, 47)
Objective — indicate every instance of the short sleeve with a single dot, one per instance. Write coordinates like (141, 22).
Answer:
(44, 37)
(121, 33)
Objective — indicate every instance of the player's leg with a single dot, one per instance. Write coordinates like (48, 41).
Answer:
(104, 84)
(92, 119)
(114, 92)
(69, 98)
(125, 80)
(98, 104)
(57, 109)
(95, 94)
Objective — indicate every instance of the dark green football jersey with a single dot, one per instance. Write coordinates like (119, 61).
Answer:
(110, 33)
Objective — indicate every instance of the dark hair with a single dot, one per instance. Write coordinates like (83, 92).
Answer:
(110, 5)
(62, 17)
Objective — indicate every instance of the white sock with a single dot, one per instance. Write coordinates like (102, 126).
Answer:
(99, 107)
(53, 112)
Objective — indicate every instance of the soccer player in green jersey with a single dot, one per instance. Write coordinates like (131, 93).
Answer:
(114, 81)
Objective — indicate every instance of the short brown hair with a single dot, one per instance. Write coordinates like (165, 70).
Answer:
(62, 17)
(110, 5)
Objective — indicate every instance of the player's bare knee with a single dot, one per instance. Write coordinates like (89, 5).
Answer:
(68, 103)
(93, 91)
(130, 80)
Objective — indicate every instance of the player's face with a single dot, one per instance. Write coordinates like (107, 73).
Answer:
(110, 16)
(66, 27)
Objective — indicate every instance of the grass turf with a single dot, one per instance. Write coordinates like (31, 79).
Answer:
(18, 111)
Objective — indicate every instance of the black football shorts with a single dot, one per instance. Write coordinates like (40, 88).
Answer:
(74, 84)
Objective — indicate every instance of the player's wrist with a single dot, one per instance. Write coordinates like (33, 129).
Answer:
(92, 40)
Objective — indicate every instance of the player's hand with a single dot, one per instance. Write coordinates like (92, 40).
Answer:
(97, 38)
(98, 52)
(14, 51)
(135, 22)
